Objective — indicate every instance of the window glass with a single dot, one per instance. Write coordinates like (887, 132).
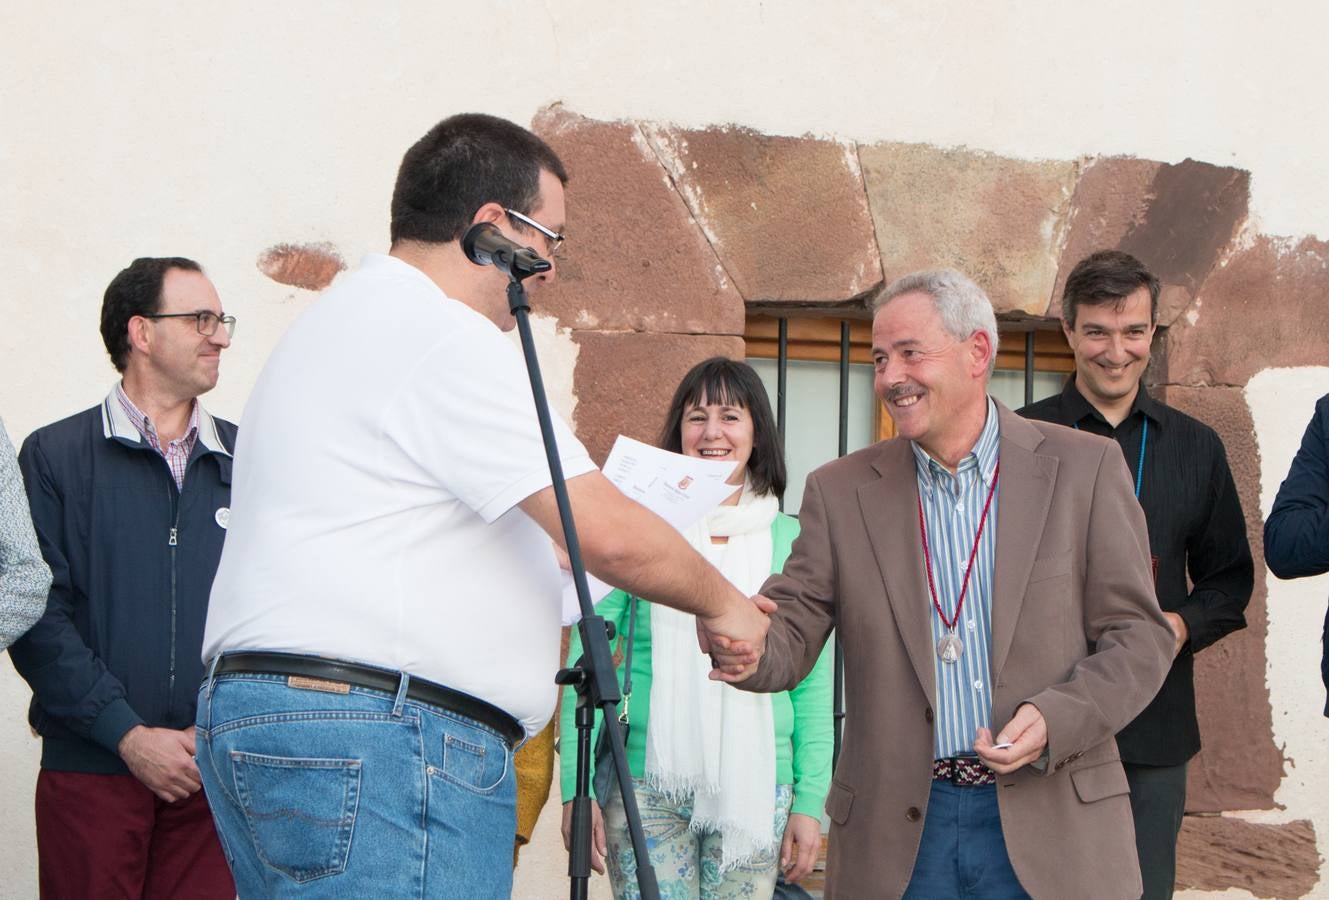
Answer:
(1007, 385)
(812, 407)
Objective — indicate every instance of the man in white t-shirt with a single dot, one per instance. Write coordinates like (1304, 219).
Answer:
(381, 632)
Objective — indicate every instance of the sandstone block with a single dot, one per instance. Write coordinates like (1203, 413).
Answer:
(1001, 221)
(624, 381)
(787, 216)
(635, 259)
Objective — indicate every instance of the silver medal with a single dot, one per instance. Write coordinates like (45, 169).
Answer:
(950, 648)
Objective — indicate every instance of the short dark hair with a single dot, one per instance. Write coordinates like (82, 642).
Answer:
(1108, 276)
(464, 162)
(732, 383)
(136, 291)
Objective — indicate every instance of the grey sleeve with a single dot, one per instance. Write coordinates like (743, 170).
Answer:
(24, 575)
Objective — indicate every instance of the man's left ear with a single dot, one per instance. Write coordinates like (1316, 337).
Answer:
(491, 212)
(982, 350)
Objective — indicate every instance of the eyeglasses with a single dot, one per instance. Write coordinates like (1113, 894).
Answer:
(205, 320)
(553, 237)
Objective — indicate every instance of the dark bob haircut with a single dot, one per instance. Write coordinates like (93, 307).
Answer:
(1108, 276)
(731, 383)
(136, 291)
(464, 162)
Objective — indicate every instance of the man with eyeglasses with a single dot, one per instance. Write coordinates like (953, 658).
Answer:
(130, 500)
(384, 625)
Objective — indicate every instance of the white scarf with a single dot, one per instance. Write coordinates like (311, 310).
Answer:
(708, 739)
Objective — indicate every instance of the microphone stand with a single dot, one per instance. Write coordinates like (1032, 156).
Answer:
(593, 675)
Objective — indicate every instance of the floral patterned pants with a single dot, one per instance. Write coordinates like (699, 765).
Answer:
(687, 863)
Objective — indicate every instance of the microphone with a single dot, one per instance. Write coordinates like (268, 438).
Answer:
(485, 245)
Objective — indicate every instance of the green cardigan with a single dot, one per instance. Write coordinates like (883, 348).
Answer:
(803, 716)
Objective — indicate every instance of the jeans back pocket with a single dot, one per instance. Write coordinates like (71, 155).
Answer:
(301, 812)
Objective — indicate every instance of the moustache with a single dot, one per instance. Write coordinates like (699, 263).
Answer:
(900, 391)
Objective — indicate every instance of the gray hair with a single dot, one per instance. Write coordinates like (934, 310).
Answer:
(961, 304)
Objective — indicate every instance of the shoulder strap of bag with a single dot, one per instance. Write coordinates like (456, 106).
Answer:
(627, 658)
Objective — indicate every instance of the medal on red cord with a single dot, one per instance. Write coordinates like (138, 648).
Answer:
(950, 648)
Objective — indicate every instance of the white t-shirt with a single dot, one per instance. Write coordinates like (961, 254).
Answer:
(381, 456)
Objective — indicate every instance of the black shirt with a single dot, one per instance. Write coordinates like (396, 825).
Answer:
(1196, 528)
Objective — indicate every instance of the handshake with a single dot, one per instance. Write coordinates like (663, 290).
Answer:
(735, 638)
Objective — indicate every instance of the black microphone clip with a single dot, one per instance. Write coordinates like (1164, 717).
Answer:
(485, 245)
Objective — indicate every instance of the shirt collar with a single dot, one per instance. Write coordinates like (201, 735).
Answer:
(119, 423)
(1075, 408)
(983, 455)
(142, 424)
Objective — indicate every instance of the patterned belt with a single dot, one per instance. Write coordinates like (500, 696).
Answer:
(963, 771)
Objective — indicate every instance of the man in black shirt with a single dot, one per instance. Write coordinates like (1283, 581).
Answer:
(1196, 527)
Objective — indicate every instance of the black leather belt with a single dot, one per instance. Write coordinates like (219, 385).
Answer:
(335, 671)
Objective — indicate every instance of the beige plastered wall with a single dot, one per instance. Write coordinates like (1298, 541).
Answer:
(218, 130)
(1281, 402)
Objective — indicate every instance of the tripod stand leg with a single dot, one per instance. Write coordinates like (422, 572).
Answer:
(579, 854)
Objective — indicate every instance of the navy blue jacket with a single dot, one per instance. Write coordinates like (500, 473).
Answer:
(132, 559)
(1296, 534)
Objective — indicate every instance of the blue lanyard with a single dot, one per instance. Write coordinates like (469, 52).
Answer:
(1139, 466)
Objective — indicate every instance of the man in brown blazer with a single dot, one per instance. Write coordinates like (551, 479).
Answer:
(1030, 613)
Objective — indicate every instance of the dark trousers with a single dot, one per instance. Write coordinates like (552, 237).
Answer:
(1158, 800)
(109, 836)
(963, 852)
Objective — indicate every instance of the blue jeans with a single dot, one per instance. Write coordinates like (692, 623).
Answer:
(358, 794)
(963, 852)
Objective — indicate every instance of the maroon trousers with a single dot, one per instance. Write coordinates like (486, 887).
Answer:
(108, 836)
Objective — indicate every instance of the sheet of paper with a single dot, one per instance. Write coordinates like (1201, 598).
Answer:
(679, 489)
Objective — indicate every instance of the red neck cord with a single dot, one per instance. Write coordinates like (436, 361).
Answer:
(927, 556)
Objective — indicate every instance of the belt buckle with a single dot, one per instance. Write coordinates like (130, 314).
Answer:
(969, 771)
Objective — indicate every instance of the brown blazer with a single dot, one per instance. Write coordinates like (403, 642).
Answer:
(1076, 630)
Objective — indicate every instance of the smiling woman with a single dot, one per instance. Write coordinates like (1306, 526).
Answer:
(730, 784)
(719, 431)
(720, 411)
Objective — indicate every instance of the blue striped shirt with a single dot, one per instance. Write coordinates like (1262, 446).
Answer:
(952, 507)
